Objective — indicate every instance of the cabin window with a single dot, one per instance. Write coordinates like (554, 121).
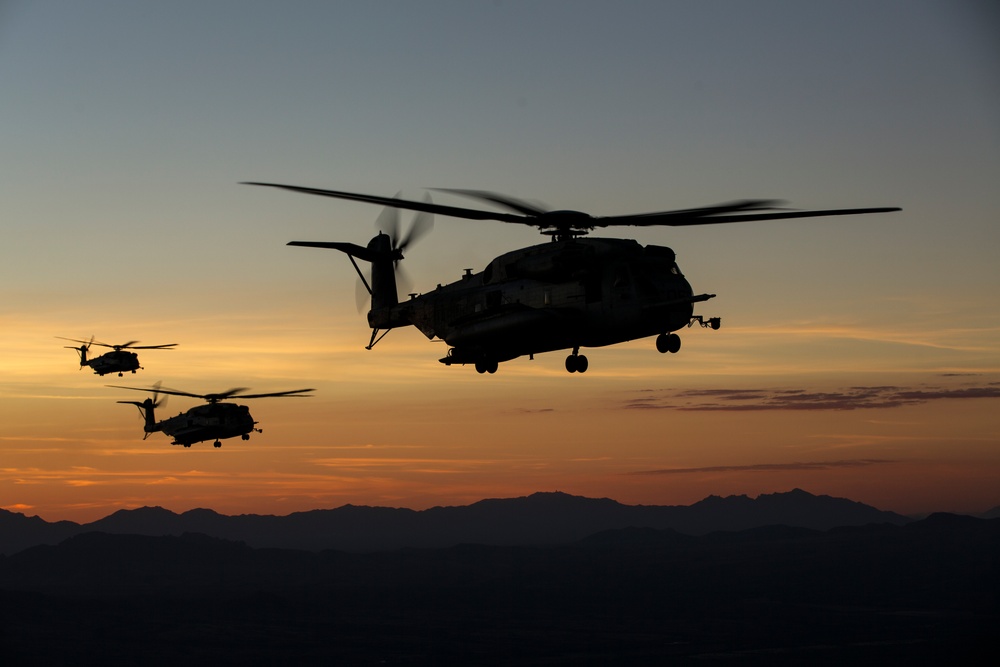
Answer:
(493, 299)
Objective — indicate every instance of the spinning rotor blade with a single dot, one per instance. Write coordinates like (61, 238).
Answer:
(157, 389)
(388, 222)
(709, 215)
(130, 345)
(294, 393)
(86, 343)
(570, 223)
(453, 211)
(222, 395)
(361, 295)
(213, 398)
(422, 224)
(517, 205)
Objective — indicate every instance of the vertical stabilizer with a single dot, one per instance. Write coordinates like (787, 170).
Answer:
(383, 284)
(147, 409)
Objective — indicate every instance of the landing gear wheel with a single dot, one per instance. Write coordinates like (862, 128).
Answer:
(487, 366)
(218, 444)
(577, 363)
(668, 343)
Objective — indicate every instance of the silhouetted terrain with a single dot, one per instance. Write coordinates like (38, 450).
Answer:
(542, 518)
(926, 593)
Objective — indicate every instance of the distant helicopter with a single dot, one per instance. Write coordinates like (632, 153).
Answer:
(118, 360)
(215, 421)
(568, 294)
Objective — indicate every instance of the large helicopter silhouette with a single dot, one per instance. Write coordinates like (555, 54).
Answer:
(571, 293)
(118, 360)
(214, 421)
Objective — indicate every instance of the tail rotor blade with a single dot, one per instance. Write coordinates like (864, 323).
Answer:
(388, 222)
(403, 283)
(423, 223)
(157, 400)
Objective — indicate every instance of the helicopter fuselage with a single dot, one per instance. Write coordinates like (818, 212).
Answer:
(566, 294)
(214, 421)
(115, 361)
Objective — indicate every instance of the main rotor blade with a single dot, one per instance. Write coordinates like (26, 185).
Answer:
(76, 340)
(235, 391)
(160, 390)
(429, 207)
(680, 219)
(88, 343)
(716, 209)
(708, 215)
(222, 395)
(518, 205)
(294, 393)
(150, 347)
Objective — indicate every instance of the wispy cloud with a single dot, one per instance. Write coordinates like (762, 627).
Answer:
(851, 398)
(797, 466)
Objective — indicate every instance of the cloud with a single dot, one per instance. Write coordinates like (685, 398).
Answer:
(851, 398)
(798, 466)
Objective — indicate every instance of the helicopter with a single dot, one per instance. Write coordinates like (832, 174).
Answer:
(214, 421)
(119, 359)
(567, 294)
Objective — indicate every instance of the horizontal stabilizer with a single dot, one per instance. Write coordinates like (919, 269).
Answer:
(351, 249)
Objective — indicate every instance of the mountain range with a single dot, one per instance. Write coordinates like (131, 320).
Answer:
(547, 579)
(539, 519)
(923, 593)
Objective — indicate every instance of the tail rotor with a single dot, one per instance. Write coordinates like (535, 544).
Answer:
(82, 350)
(389, 225)
(147, 409)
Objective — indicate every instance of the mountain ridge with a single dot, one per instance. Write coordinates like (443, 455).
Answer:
(542, 518)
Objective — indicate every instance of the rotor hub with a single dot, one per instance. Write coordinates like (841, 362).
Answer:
(570, 223)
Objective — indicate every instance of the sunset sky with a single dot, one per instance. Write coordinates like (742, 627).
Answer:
(858, 356)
